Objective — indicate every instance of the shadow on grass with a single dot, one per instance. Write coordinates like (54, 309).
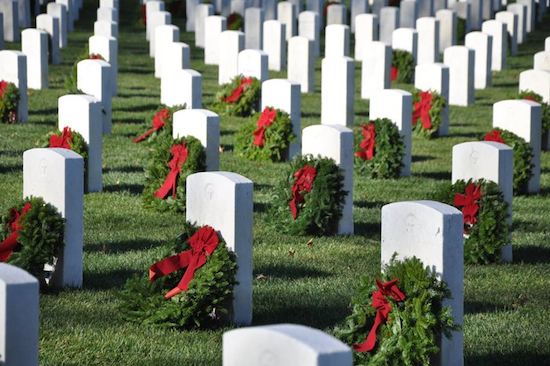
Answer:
(129, 121)
(140, 108)
(139, 95)
(289, 272)
(108, 280)
(126, 169)
(11, 152)
(124, 246)
(531, 254)
(10, 168)
(260, 207)
(420, 158)
(369, 205)
(446, 176)
(227, 133)
(496, 359)
(480, 307)
(367, 229)
(132, 188)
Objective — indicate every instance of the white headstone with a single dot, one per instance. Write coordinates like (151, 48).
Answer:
(476, 13)
(223, 200)
(19, 308)
(150, 7)
(164, 36)
(93, 79)
(283, 345)
(334, 142)
(10, 11)
(500, 43)
(336, 40)
(181, 87)
(435, 77)
(482, 44)
(50, 25)
(231, 43)
(488, 11)
(447, 28)
(253, 63)
(275, 44)
(201, 13)
(178, 57)
(408, 12)
(537, 81)
(337, 91)
(425, 8)
(204, 125)
(463, 11)
(70, 13)
(428, 40)
(34, 44)
(389, 21)
(286, 14)
(309, 26)
(157, 19)
(107, 14)
(487, 160)
(547, 44)
(521, 11)
(460, 60)
(523, 117)
(441, 4)
(223, 7)
(366, 31)
(315, 6)
(406, 39)
(109, 4)
(13, 69)
(57, 175)
(213, 26)
(107, 47)
(59, 11)
(191, 6)
(253, 25)
(105, 28)
(358, 7)
(375, 71)
(337, 14)
(270, 7)
(1, 31)
(301, 63)
(238, 7)
(396, 105)
(530, 19)
(377, 5)
(541, 61)
(432, 232)
(285, 95)
(82, 113)
(511, 21)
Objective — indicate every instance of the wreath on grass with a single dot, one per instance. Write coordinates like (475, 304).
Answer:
(486, 228)
(427, 113)
(235, 22)
(379, 149)
(266, 137)
(171, 162)
(402, 66)
(522, 156)
(163, 121)
(240, 97)
(190, 288)
(142, 15)
(9, 102)
(31, 235)
(310, 197)
(532, 96)
(400, 317)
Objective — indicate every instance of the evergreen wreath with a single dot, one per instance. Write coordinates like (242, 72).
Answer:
(159, 169)
(40, 232)
(207, 298)
(71, 79)
(235, 22)
(387, 149)
(9, 102)
(240, 97)
(266, 137)
(427, 112)
(162, 121)
(522, 156)
(314, 187)
(531, 95)
(414, 323)
(402, 63)
(486, 227)
(460, 30)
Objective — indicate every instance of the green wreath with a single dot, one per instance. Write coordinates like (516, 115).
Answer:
(9, 102)
(388, 152)
(277, 138)
(39, 240)
(322, 206)
(245, 106)
(210, 291)
(438, 104)
(234, 22)
(158, 170)
(410, 337)
(70, 83)
(164, 131)
(460, 30)
(403, 61)
(484, 240)
(531, 95)
(522, 158)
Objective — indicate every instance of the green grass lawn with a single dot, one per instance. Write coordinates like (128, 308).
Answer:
(507, 306)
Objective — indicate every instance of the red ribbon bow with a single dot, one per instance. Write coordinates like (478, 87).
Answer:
(237, 92)
(64, 141)
(159, 121)
(265, 120)
(531, 99)
(143, 11)
(95, 57)
(3, 86)
(394, 73)
(203, 243)
(383, 307)
(470, 209)
(494, 135)
(422, 110)
(180, 153)
(8, 246)
(368, 143)
(304, 183)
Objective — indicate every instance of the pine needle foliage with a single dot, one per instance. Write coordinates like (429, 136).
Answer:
(545, 108)
(404, 62)
(9, 103)
(245, 106)
(436, 115)
(166, 130)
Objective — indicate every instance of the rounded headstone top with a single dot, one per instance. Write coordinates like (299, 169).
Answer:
(13, 275)
(53, 152)
(490, 144)
(439, 207)
(229, 176)
(335, 128)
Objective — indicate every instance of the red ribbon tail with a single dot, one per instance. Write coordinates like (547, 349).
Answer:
(369, 344)
(169, 184)
(144, 136)
(8, 245)
(294, 208)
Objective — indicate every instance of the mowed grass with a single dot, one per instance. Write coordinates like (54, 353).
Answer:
(507, 306)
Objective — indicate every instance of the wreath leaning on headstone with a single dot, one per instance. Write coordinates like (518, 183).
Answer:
(530, 95)
(398, 320)
(171, 162)
(402, 66)
(190, 284)
(71, 79)
(427, 112)
(266, 137)
(379, 149)
(9, 101)
(522, 156)
(235, 22)
(310, 197)
(460, 30)
(31, 235)
(486, 228)
(240, 97)
(163, 121)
